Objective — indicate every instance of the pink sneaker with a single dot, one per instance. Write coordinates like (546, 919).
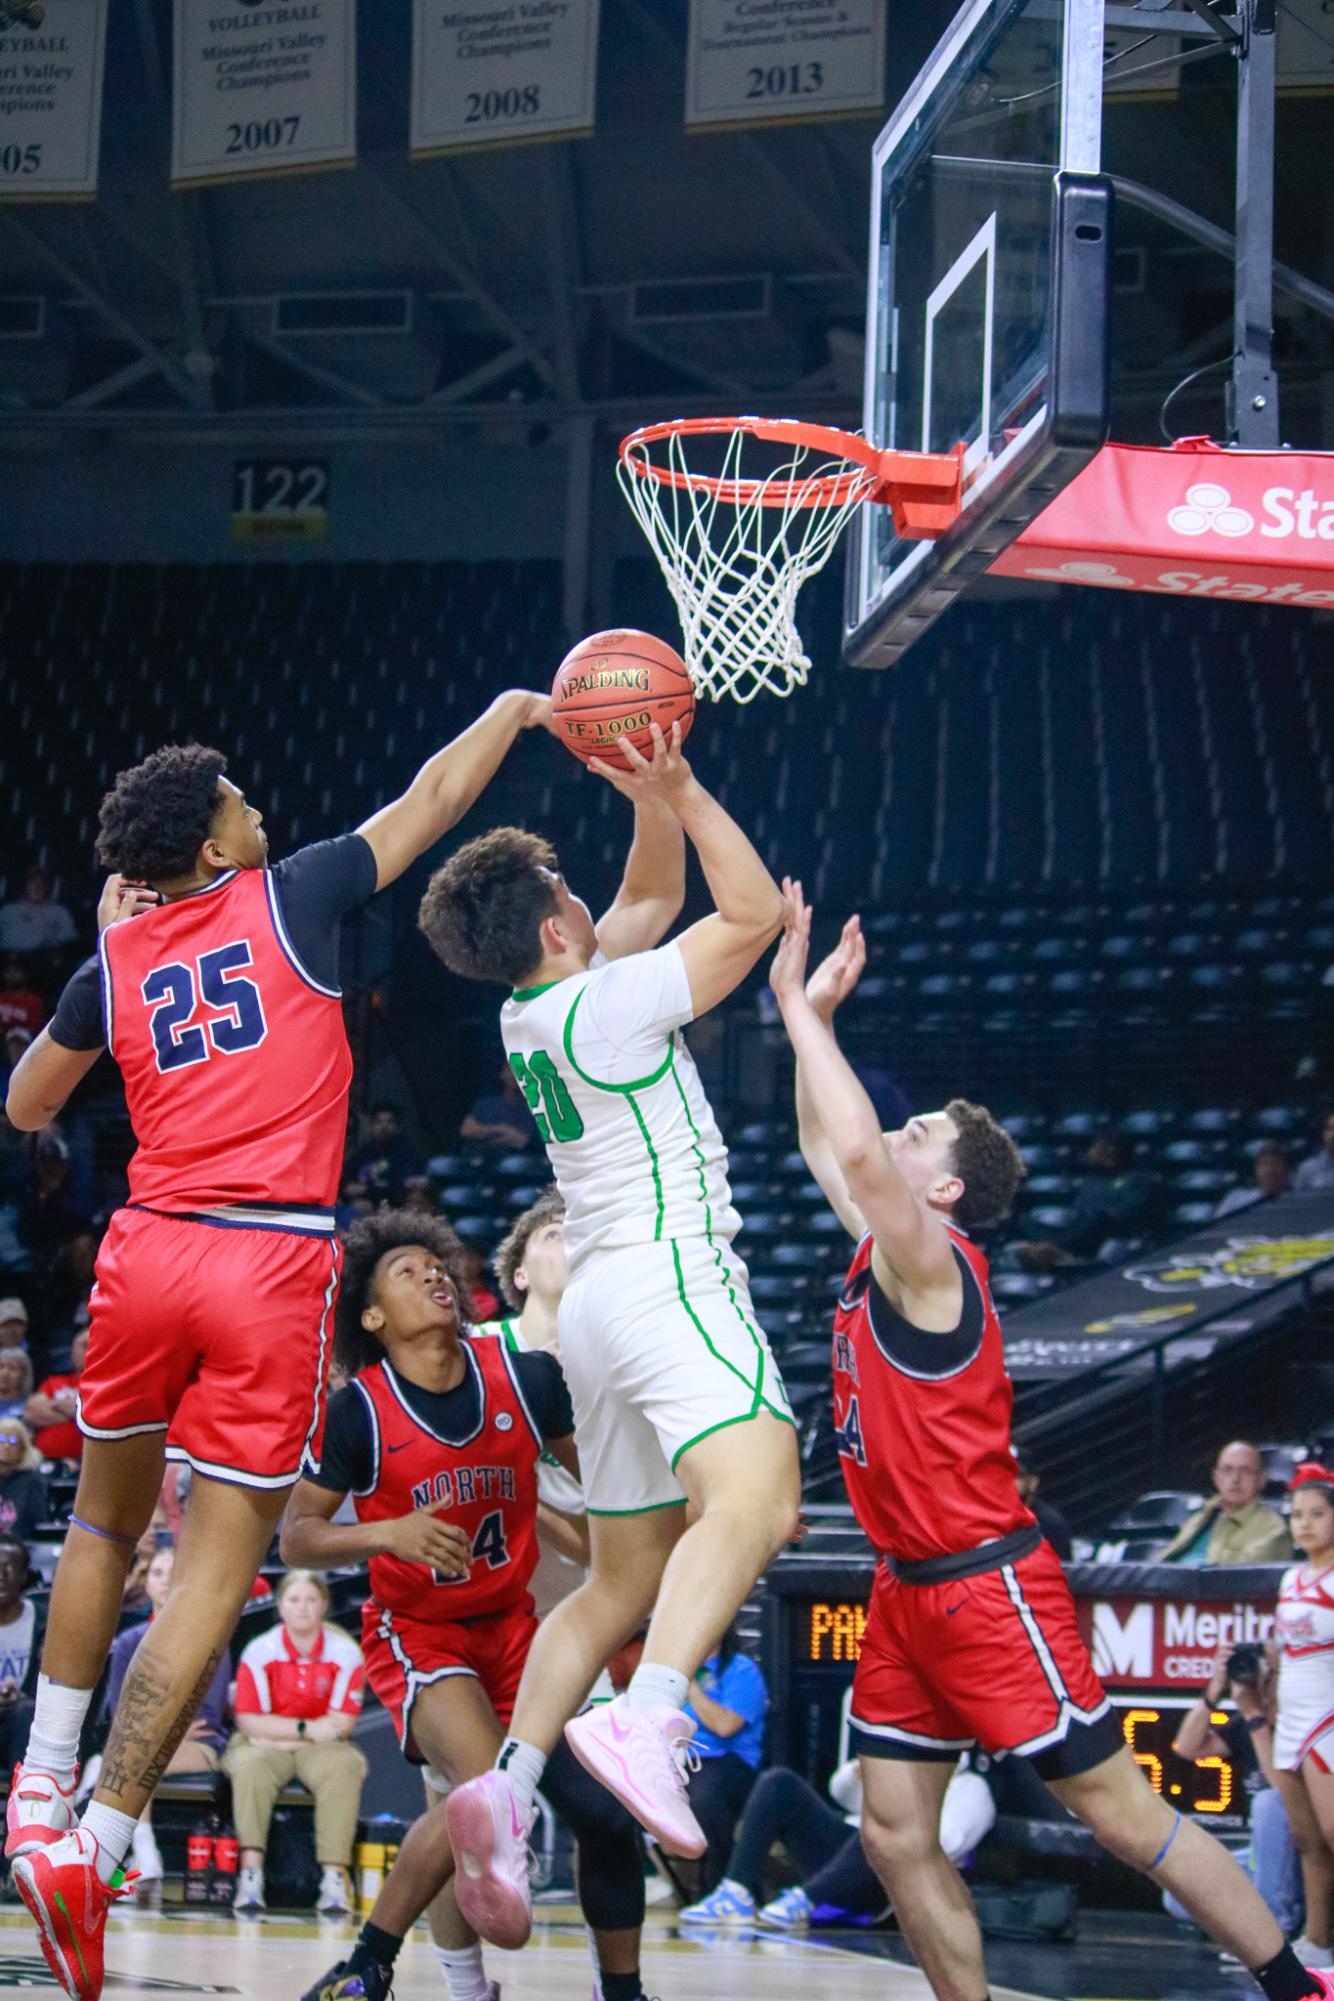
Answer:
(39, 1811)
(489, 1835)
(638, 1754)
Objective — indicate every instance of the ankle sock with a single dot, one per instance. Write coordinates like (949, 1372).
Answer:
(465, 1975)
(523, 1765)
(657, 1688)
(53, 1743)
(1284, 1978)
(620, 1986)
(113, 1833)
(373, 1948)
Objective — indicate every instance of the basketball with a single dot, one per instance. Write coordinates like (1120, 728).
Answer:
(612, 687)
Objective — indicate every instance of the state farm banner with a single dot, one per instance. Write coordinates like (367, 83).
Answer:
(262, 89)
(52, 57)
(484, 75)
(752, 61)
(1191, 520)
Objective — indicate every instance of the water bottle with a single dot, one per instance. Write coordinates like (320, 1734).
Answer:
(198, 1865)
(226, 1861)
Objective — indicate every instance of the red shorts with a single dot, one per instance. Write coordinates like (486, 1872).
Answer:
(995, 1659)
(406, 1655)
(219, 1336)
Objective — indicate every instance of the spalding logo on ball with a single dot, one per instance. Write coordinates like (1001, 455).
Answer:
(612, 687)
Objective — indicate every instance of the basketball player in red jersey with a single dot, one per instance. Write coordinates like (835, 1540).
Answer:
(216, 991)
(437, 1438)
(971, 1635)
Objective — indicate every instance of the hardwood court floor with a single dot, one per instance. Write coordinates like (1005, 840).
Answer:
(276, 1959)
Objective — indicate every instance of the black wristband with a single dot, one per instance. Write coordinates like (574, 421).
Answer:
(1256, 1722)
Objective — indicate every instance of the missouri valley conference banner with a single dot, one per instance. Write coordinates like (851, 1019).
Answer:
(262, 89)
(488, 74)
(751, 61)
(51, 61)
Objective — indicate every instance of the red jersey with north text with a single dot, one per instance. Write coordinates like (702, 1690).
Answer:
(485, 1483)
(923, 1420)
(236, 1062)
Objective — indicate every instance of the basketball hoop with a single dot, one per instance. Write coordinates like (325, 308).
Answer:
(737, 543)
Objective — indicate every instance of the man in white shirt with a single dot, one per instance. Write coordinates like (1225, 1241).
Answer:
(676, 1394)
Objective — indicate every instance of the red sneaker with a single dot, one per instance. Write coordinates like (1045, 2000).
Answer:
(69, 1901)
(39, 1811)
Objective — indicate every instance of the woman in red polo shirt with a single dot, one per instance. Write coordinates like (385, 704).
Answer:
(298, 1695)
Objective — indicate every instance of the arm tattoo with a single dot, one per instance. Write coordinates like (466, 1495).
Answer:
(146, 1730)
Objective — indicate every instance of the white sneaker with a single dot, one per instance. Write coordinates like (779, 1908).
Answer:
(335, 1898)
(145, 1854)
(249, 1892)
(1320, 1956)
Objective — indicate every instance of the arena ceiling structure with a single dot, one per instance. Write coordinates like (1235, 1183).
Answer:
(644, 270)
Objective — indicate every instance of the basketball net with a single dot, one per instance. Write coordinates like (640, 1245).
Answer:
(736, 544)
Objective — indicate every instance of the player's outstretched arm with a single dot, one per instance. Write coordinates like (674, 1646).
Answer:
(653, 887)
(826, 989)
(720, 950)
(913, 1243)
(311, 1540)
(449, 783)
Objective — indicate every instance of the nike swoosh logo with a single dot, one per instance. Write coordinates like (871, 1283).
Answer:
(401, 1447)
(950, 1610)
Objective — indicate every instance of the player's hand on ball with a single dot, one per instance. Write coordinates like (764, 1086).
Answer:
(422, 1537)
(836, 976)
(787, 975)
(660, 777)
(121, 899)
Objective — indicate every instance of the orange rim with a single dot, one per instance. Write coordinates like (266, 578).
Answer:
(871, 475)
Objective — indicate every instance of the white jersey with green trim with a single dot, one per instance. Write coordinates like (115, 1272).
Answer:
(619, 1106)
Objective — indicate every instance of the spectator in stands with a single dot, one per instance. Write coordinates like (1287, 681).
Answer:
(1271, 1172)
(1317, 1170)
(419, 1196)
(20, 1649)
(49, 1411)
(387, 1158)
(1234, 1525)
(298, 1696)
(48, 1218)
(13, 1324)
(1241, 1676)
(485, 1304)
(727, 1703)
(1050, 1520)
(499, 1120)
(35, 922)
(354, 1202)
(1113, 1199)
(15, 1381)
(201, 1748)
(158, 1535)
(838, 1884)
(16, 1041)
(20, 1007)
(23, 1502)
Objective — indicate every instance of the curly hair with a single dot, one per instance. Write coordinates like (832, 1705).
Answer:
(483, 910)
(987, 1162)
(355, 1347)
(548, 1208)
(158, 815)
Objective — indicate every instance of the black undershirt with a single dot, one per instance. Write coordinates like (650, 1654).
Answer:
(347, 1461)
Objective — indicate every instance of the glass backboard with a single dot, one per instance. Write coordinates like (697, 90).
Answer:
(987, 309)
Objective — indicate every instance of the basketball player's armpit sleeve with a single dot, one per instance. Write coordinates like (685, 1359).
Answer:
(317, 887)
(546, 1394)
(627, 1012)
(347, 1459)
(77, 1022)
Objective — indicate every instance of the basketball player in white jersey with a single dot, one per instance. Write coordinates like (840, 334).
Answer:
(676, 1394)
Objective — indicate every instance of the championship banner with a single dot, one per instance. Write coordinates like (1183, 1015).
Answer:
(1192, 520)
(783, 59)
(1225, 1280)
(262, 89)
(52, 56)
(487, 75)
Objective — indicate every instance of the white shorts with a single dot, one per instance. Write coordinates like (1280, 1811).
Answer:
(1305, 1729)
(660, 1346)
